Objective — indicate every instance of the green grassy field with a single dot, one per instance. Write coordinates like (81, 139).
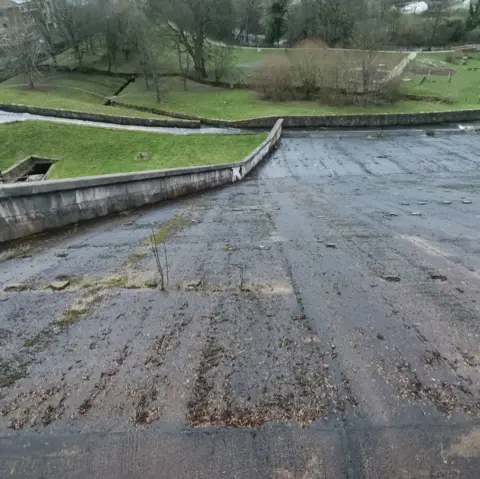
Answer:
(84, 93)
(70, 91)
(84, 150)
(210, 102)
(463, 90)
(246, 56)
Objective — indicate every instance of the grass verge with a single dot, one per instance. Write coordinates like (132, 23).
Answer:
(230, 104)
(68, 91)
(461, 89)
(85, 150)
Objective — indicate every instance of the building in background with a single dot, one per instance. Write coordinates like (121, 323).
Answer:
(11, 15)
(14, 13)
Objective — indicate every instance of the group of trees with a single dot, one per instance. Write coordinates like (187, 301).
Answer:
(473, 19)
(152, 29)
(338, 22)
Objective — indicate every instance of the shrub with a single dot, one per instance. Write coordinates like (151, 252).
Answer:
(332, 77)
(274, 79)
(450, 58)
(307, 59)
(454, 57)
(221, 59)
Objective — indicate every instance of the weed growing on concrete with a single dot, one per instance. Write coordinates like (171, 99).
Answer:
(172, 226)
(41, 340)
(12, 253)
(75, 311)
(70, 316)
(18, 287)
(136, 257)
(163, 272)
(11, 372)
(114, 281)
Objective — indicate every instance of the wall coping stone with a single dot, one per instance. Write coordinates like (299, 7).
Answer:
(351, 120)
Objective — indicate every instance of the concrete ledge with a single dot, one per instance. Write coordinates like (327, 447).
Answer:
(99, 117)
(325, 121)
(31, 208)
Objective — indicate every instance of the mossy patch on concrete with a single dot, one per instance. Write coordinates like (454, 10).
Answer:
(79, 307)
(165, 230)
(136, 257)
(12, 253)
(11, 372)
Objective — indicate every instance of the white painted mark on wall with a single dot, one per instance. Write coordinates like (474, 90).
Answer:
(236, 173)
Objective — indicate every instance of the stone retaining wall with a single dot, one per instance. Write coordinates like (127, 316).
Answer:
(30, 208)
(99, 117)
(375, 120)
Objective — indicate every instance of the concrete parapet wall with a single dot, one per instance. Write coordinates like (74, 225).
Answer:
(99, 117)
(374, 120)
(30, 208)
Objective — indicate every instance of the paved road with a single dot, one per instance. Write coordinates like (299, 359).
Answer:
(321, 320)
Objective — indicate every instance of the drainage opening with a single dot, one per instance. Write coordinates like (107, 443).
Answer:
(38, 171)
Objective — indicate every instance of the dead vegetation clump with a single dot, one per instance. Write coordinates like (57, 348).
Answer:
(337, 78)
(274, 79)
(38, 407)
(444, 396)
(302, 397)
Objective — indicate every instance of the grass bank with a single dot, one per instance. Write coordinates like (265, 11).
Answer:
(230, 104)
(84, 151)
(461, 88)
(84, 93)
(68, 91)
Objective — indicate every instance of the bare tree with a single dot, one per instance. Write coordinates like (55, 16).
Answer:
(137, 39)
(248, 14)
(191, 22)
(337, 18)
(436, 10)
(156, 52)
(42, 20)
(369, 36)
(111, 28)
(24, 50)
(147, 38)
(72, 18)
(183, 61)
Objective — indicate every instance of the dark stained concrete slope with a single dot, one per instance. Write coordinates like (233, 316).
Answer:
(321, 320)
